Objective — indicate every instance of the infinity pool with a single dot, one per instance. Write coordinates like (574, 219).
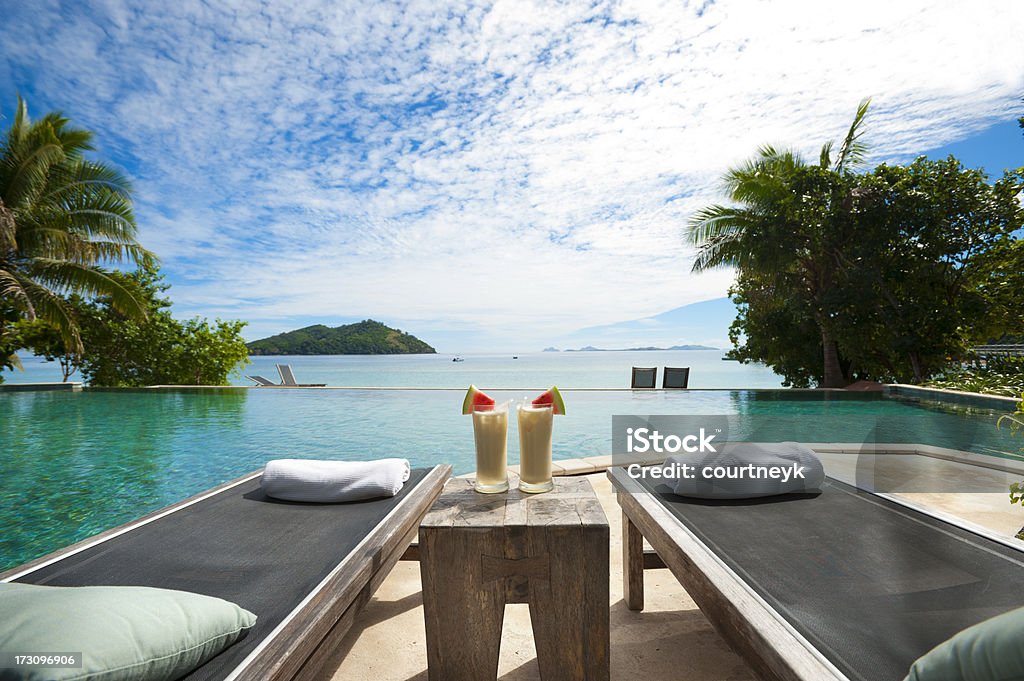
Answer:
(74, 464)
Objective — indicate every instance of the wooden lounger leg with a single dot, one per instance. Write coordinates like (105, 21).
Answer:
(632, 565)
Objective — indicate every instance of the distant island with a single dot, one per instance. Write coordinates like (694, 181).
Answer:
(591, 348)
(552, 349)
(363, 338)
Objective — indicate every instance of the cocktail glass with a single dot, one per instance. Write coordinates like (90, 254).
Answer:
(534, 448)
(490, 431)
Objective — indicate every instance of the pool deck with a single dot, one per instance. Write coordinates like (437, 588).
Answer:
(670, 639)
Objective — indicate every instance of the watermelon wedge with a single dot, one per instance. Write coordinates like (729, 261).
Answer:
(477, 400)
(553, 398)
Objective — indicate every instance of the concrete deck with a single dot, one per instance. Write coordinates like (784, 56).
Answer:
(670, 639)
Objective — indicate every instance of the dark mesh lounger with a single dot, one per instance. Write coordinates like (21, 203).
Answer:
(841, 585)
(303, 569)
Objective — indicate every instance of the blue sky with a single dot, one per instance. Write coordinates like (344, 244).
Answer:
(488, 175)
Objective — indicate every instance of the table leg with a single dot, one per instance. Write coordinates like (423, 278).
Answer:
(570, 612)
(632, 565)
(462, 613)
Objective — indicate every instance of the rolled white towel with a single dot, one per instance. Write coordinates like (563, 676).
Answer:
(333, 481)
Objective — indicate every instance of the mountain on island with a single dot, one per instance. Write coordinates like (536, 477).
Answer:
(362, 338)
(551, 349)
(591, 348)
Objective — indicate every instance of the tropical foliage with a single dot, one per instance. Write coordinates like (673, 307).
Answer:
(64, 221)
(125, 351)
(63, 218)
(1016, 424)
(882, 275)
(998, 376)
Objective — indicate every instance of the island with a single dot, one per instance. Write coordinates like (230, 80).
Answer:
(551, 349)
(367, 337)
(591, 348)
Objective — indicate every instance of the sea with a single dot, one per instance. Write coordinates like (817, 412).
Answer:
(527, 371)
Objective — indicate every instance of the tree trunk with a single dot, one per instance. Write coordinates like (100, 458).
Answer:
(833, 373)
(915, 363)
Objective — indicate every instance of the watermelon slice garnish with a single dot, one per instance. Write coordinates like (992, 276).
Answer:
(551, 398)
(477, 400)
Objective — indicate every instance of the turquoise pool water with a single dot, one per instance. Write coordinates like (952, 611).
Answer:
(74, 464)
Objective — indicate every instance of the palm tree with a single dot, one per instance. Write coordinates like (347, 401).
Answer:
(776, 228)
(62, 219)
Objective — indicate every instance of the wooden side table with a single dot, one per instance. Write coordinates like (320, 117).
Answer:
(481, 551)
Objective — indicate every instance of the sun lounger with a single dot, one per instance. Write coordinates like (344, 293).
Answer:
(644, 378)
(305, 570)
(845, 585)
(261, 381)
(675, 378)
(288, 378)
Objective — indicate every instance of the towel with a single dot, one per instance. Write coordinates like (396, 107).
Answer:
(747, 470)
(333, 481)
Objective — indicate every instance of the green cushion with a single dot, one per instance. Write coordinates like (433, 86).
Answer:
(122, 632)
(992, 650)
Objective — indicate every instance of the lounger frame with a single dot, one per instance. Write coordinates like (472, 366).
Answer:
(306, 645)
(772, 647)
(754, 629)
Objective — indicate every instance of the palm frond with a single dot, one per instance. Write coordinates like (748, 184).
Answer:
(718, 232)
(825, 159)
(8, 228)
(52, 308)
(62, 275)
(29, 174)
(12, 289)
(853, 152)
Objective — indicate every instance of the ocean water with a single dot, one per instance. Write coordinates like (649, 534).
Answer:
(534, 371)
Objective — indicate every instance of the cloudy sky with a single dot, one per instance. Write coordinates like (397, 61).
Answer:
(494, 175)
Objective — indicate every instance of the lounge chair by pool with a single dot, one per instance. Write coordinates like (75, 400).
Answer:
(288, 378)
(845, 585)
(675, 378)
(304, 569)
(644, 378)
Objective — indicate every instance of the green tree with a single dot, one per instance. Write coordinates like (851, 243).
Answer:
(63, 218)
(125, 351)
(884, 275)
(789, 221)
(46, 340)
(926, 262)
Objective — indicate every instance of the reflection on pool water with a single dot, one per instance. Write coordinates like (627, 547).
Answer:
(75, 464)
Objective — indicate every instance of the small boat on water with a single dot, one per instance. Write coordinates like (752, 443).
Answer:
(515, 356)
(458, 359)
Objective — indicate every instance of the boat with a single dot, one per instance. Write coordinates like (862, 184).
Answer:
(515, 356)
(458, 359)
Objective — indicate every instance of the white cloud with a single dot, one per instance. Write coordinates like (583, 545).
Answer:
(515, 169)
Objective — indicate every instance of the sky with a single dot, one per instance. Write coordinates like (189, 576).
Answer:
(488, 175)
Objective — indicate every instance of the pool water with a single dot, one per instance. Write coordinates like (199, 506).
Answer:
(74, 464)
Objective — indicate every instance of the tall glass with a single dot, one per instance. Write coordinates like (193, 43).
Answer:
(490, 431)
(534, 448)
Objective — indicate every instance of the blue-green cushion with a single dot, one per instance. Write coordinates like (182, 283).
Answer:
(122, 632)
(992, 650)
